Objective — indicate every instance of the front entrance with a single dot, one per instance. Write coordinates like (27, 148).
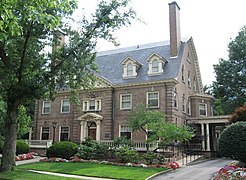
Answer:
(92, 130)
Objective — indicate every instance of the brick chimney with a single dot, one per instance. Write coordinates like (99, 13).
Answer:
(174, 23)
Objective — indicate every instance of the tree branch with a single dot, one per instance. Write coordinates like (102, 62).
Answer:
(20, 70)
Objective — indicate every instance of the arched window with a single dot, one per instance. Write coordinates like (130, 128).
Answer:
(129, 69)
(155, 66)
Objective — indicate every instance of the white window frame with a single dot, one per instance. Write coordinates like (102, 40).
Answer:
(147, 99)
(205, 109)
(183, 103)
(189, 108)
(43, 107)
(129, 70)
(127, 128)
(62, 105)
(175, 99)
(60, 128)
(121, 101)
(41, 132)
(188, 79)
(86, 105)
(159, 67)
(183, 74)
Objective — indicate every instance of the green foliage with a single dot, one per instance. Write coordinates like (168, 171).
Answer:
(232, 142)
(230, 85)
(23, 121)
(123, 142)
(22, 147)
(149, 157)
(28, 72)
(127, 155)
(239, 114)
(63, 149)
(154, 124)
(1, 143)
(91, 149)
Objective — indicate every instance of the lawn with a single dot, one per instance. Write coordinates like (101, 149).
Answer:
(83, 169)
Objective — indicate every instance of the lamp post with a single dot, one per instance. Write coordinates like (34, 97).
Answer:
(54, 128)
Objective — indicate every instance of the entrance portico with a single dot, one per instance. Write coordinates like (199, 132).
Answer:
(90, 126)
(210, 129)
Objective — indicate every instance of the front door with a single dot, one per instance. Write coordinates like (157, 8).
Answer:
(92, 130)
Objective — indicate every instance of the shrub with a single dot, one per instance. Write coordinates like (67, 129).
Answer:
(149, 157)
(91, 149)
(1, 143)
(127, 155)
(22, 147)
(123, 142)
(63, 149)
(232, 142)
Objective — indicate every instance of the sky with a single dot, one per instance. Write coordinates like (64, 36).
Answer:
(211, 23)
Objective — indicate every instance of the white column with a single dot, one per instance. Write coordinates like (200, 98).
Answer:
(203, 140)
(98, 122)
(82, 123)
(85, 130)
(30, 134)
(208, 139)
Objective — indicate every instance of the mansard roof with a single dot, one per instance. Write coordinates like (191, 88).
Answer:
(110, 63)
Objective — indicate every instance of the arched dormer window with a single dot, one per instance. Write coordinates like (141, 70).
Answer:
(156, 65)
(130, 68)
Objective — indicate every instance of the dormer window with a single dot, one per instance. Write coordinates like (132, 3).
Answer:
(130, 68)
(156, 64)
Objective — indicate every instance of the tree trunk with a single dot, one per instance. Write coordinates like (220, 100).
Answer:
(9, 148)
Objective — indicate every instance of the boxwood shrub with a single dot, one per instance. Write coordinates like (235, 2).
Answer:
(232, 142)
(22, 147)
(63, 149)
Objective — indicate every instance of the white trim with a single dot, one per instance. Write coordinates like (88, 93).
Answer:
(60, 132)
(147, 99)
(43, 107)
(125, 131)
(121, 108)
(206, 109)
(68, 105)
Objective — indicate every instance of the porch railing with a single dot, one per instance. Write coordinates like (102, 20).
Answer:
(39, 143)
(138, 145)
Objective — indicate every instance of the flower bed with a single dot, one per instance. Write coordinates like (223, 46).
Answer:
(25, 156)
(230, 172)
(170, 165)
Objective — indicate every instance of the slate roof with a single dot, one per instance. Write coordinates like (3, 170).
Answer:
(110, 63)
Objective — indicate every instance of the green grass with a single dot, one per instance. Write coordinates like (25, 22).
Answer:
(91, 169)
(19, 174)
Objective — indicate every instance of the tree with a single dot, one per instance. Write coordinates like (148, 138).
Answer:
(230, 83)
(239, 114)
(154, 125)
(28, 72)
(232, 142)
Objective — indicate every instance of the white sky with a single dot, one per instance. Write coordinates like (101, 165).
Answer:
(211, 23)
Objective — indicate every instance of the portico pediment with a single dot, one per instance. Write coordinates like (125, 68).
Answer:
(91, 116)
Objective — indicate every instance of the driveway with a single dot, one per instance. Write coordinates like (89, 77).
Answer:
(201, 171)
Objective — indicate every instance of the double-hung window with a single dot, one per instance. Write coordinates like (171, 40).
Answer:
(45, 132)
(126, 131)
(92, 105)
(153, 99)
(125, 101)
(175, 99)
(202, 109)
(65, 106)
(46, 107)
(64, 133)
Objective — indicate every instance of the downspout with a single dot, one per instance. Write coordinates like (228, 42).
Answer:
(113, 114)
